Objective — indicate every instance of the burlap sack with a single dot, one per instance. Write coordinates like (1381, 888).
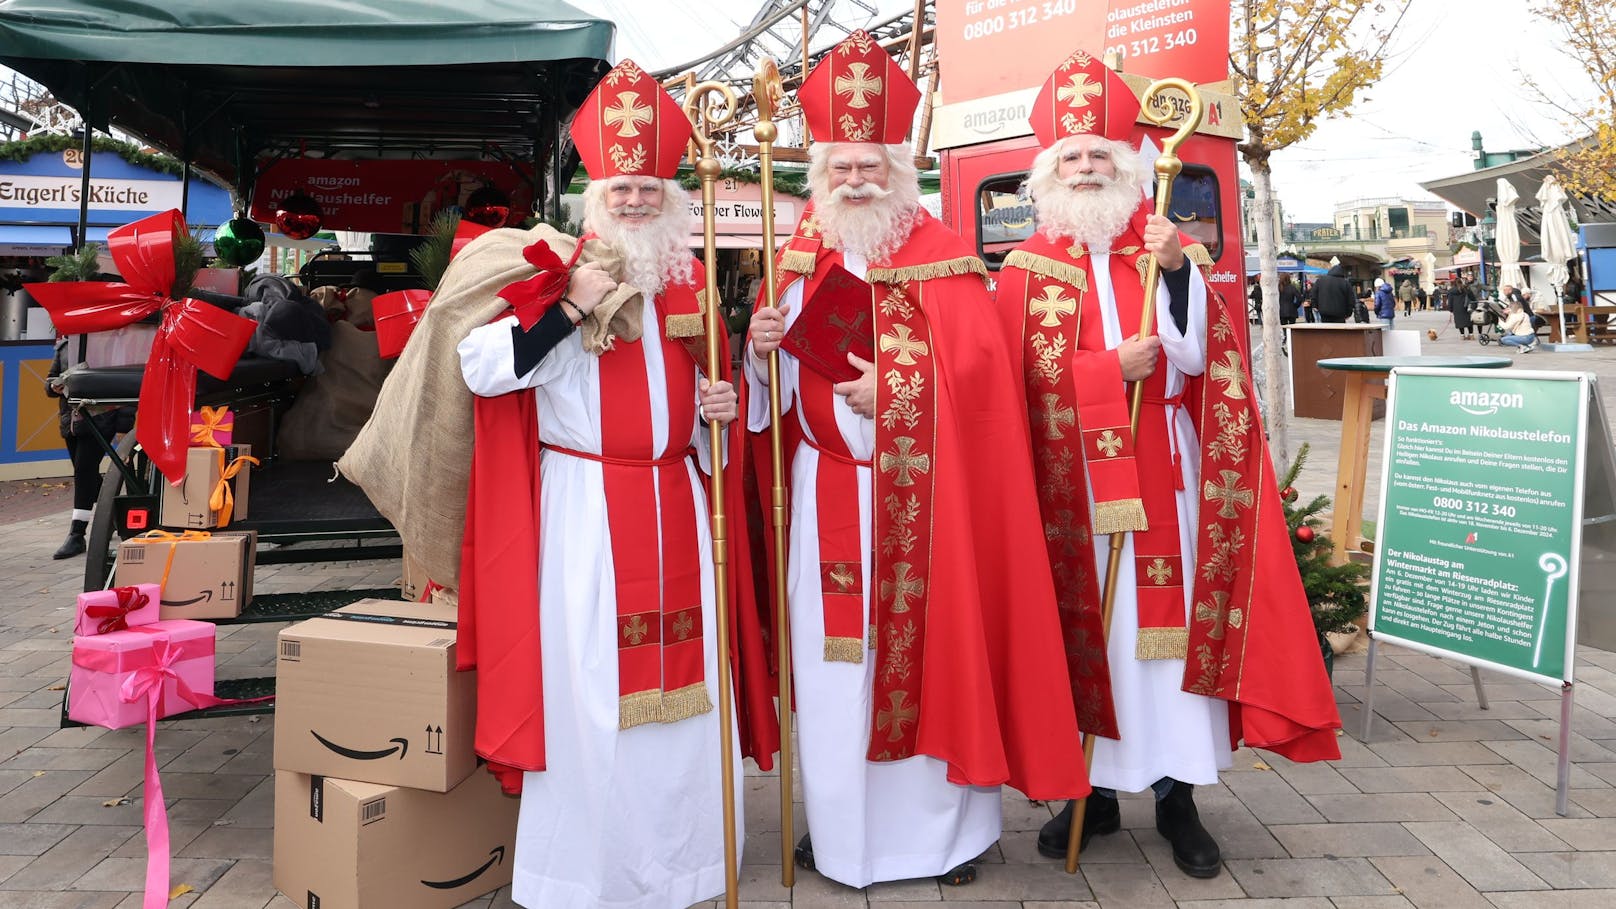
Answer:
(333, 406)
(413, 456)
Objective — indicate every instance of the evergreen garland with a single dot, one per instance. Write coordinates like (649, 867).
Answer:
(431, 257)
(791, 185)
(23, 149)
(1336, 594)
(75, 266)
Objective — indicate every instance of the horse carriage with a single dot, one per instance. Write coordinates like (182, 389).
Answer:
(484, 84)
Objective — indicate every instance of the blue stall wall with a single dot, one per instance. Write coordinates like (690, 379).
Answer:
(45, 190)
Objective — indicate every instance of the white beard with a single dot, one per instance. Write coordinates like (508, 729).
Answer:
(876, 229)
(1091, 217)
(655, 254)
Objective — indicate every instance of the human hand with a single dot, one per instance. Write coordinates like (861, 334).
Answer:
(1138, 357)
(718, 402)
(767, 328)
(588, 285)
(860, 392)
(1161, 238)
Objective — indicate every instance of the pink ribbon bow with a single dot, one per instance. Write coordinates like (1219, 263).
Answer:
(193, 335)
(115, 617)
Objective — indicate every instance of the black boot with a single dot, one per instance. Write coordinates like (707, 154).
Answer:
(1194, 850)
(75, 542)
(1102, 815)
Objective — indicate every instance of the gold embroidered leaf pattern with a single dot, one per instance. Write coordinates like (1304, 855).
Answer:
(1048, 357)
(901, 537)
(905, 393)
(859, 41)
(856, 131)
(1233, 433)
(1056, 482)
(900, 641)
(1223, 331)
(625, 70)
(896, 304)
(1220, 563)
(626, 161)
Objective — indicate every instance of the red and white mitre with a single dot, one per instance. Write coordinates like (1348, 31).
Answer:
(858, 93)
(1082, 97)
(630, 126)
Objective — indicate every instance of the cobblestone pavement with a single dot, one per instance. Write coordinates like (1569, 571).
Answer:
(1446, 806)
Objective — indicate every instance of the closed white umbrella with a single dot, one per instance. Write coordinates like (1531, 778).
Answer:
(1508, 236)
(1558, 245)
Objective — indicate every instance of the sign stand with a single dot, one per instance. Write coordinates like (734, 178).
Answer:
(1485, 488)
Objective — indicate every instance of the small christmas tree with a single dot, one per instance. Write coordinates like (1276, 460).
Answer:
(1337, 594)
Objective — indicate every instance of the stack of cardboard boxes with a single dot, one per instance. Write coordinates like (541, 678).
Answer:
(379, 798)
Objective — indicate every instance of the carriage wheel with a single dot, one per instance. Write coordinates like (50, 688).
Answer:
(98, 558)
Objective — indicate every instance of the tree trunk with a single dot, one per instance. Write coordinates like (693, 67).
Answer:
(1276, 363)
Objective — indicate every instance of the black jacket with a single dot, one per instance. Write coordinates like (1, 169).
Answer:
(1333, 295)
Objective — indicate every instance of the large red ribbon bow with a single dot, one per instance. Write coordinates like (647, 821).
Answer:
(533, 296)
(115, 617)
(193, 335)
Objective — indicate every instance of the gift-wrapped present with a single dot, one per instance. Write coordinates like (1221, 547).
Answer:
(109, 670)
(396, 316)
(105, 611)
(203, 575)
(212, 427)
(213, 491)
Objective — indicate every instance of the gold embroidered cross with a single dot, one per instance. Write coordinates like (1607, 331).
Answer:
(905, 462)
(842, 576)
(635, 630)
(1078, 90)
(628, 114)
(858, 85)
(1160, 572)
(809, 228)
(902, 340)
(1109, 443)
(1051, 306)
(1229, 372)
(1056, 416)
(683, 624)
(1228, 493)
(1061, 532)
(897, 715)
(902, 586)
(1218, 614)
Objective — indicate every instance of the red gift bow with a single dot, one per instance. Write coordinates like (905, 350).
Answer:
(193, 334)
(533, 296)
(116, 618)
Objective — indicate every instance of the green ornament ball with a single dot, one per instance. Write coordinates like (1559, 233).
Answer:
(239, 242)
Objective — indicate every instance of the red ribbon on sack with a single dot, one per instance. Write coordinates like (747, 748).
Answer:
(533, 296)
(193, 335)
(116, 617)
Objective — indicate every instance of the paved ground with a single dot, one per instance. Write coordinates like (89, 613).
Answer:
(1445, 806)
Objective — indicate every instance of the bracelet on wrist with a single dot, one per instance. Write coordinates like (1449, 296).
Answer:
(575, 308)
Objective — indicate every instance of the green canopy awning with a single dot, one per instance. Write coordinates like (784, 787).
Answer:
(223, 84)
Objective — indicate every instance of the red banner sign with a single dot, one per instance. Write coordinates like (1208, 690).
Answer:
(395, 197)
(988, 47)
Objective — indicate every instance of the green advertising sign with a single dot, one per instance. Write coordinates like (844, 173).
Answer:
(1481, 503)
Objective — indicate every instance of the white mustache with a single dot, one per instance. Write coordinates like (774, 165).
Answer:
(633, 210)
(867, 191)
(1076, 180)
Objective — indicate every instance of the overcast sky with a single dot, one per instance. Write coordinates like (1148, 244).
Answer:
(1456, 67)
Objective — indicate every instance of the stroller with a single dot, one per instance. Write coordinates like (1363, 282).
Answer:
(1486, 319)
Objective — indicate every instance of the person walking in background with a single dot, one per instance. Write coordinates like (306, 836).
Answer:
(1332, 294)
(78, 428)
(1461, 301)
(1405, 293)
(1385, 304)
(1290, 300)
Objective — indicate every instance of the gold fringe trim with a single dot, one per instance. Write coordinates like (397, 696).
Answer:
(1049, 268)
(844, 650)
(686, 325)
(1121, 516)
(1198, 254)
(964, 265)
(684, 703)
(795, 260)
(639, 708)
(1162, 644)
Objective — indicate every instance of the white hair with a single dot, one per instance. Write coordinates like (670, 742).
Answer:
(655, 254)
(879, 228)
(1091, 217)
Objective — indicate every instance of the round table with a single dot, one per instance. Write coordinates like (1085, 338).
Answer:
(1366, 382)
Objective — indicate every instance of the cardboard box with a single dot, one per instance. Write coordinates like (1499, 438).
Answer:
(210, 578)
(370, 692)
(186, 505)
(341, 844)
(104, 663)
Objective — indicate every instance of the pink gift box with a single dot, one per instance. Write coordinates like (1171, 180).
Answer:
(213, 427)
(110, 670)
(104, 611)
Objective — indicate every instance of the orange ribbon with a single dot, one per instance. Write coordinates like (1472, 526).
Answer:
(223, 498)
(214, 419)
(173, 540)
